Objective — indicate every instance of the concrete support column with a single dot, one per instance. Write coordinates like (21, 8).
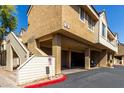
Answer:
(9, 56)
(103, 58)
(113, 59)
(69, 59)
(122, 60)
(87, 58)
(56, 52)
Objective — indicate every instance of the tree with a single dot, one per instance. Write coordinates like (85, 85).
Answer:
(8, 20)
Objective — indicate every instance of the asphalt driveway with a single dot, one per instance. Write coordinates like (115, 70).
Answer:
(97, 78)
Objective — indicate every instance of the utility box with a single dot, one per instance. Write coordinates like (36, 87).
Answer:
(47, 70)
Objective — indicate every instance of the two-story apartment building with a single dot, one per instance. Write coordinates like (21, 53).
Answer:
(76, 35)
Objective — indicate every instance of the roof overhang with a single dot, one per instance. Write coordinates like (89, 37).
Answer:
(111, 35)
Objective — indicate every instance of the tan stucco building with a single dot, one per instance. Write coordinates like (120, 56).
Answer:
(76, 36)
(59, 38)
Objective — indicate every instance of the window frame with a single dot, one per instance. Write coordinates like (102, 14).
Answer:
(82, 19)
(103, 31)
(90, 23)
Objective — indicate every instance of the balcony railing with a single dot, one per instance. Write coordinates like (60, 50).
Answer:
(114, 43)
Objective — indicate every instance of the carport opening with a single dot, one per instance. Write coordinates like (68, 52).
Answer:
(64, 60)
(77, 60)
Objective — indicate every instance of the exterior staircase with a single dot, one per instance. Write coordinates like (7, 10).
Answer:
(18, 47)
(21, 50)
(33, 62)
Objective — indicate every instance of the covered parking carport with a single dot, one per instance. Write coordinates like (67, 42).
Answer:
(69, 53)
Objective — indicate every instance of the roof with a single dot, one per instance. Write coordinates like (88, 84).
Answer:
(29, 8)
(94, 10)
(112, 32)
(121, 44)
(90, 5)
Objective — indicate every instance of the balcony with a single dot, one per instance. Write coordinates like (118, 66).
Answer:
(110, 41)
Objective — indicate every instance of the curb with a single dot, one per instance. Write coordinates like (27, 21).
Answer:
(63, 78)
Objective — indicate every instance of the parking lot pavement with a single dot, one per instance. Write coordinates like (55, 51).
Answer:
(96, 78)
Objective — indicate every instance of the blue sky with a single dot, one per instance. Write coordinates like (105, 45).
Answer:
(115, 16)
(21, 17)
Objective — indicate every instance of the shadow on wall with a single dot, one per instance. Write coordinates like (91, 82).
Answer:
(97, 57)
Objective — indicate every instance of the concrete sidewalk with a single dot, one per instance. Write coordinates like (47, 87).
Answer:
(76, 70)
(7, 79)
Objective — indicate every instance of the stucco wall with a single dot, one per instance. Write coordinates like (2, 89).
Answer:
(120, 50)
(42, 20)
(70, 15)
(103, 59)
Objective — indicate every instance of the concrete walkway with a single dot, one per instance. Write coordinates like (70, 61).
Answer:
(71, 71)
(7, 79)
(76, 70)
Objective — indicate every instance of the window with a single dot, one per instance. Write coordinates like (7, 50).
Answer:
(103, 30)
(82, 14)
(90, 23)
